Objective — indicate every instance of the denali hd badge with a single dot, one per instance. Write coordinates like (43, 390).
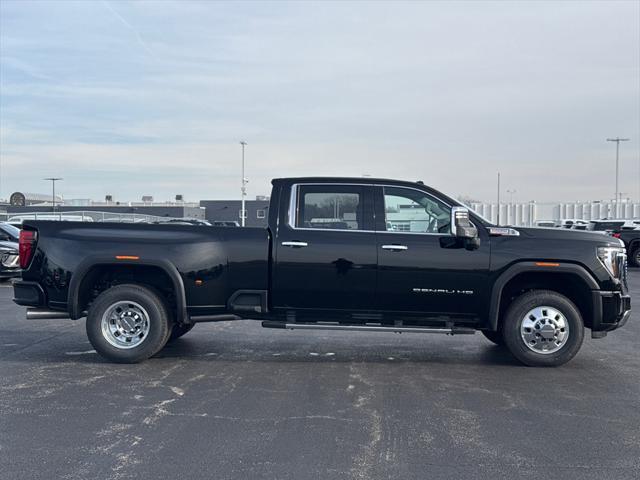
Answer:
(443, 290)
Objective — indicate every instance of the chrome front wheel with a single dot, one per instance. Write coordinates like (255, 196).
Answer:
(544, 330)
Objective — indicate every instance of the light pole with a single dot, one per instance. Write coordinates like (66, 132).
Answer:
(498, 220)
(243, 189)
(511, 192)
(617, 140)
(53, 181)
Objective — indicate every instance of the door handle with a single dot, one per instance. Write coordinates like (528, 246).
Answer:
(295, 244)
(395, 247)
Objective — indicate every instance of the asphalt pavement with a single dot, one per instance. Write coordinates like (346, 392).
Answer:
(235, 401)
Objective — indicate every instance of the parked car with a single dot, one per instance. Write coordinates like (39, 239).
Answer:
(633, 224)
(447, 270)
(185, 221)
(609, 226)
(9, 264)
(631, 240)
(573, 223)
(545, 224)
(9, 233)
(224, 223)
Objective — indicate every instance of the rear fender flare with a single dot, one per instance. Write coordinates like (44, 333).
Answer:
(88, 263)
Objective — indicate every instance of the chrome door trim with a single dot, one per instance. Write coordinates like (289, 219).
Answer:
(293, 207)
(394, 247)
(295, 244)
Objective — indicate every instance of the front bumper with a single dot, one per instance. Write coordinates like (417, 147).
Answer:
(611, 310)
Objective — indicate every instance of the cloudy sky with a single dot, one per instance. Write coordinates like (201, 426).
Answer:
(152, 97)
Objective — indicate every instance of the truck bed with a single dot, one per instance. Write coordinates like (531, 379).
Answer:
(211, 262)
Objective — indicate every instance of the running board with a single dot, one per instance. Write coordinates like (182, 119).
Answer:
(368, 328)
(213, 318)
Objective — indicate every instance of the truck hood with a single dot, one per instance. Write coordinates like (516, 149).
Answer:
(599, 238)
(5, 245)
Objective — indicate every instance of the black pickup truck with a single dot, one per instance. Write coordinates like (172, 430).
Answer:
(356, 254)
(631, 241)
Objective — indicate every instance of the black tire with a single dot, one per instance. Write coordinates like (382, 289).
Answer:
(158, 325)
(180, 329)
(494, 337)
(634, 258)
(516, 315)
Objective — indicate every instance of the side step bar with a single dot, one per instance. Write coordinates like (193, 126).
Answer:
(45, 314)
(367, 328)
(213, 318)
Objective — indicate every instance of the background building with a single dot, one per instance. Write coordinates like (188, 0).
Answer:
(517, 214)
(20, 199)
(229, 211)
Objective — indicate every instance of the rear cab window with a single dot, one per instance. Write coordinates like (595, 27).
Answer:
(331, 207)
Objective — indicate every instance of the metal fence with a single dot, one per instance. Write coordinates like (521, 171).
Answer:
(82, 216)
(527, 214)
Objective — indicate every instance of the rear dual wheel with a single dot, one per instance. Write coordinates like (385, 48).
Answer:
(129, 323)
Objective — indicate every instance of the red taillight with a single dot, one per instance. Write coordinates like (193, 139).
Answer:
(617, 235)
(27, 247)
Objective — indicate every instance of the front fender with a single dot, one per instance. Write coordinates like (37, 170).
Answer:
(521, 267)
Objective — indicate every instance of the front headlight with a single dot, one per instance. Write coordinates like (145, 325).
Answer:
(8, 258)
(613, 259)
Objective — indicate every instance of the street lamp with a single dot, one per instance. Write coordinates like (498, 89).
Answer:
(617, 140)
(243, 189)
(53, 181)
(498, 220)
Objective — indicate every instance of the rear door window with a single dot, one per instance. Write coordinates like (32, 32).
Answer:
(330, 207)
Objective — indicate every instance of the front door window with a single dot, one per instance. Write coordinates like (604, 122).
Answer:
(412, 211)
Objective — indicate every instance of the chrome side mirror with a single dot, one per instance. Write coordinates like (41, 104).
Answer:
(461, 226)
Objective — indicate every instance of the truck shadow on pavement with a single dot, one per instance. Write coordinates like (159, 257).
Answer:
(313, 353)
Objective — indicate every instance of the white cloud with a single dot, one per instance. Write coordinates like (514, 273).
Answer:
(446, 92)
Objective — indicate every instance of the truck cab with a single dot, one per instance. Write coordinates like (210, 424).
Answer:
(381, 251)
